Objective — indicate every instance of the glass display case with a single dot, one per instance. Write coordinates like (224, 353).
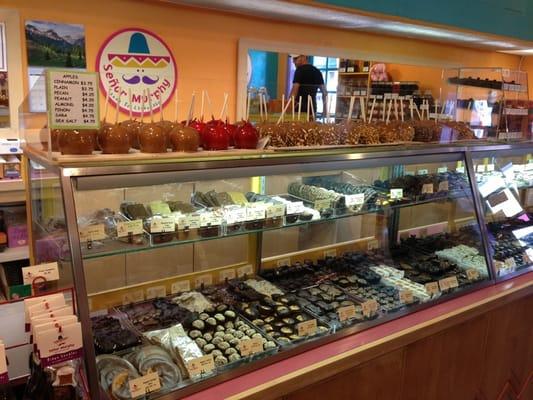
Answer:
(205, 268)
(504, 183)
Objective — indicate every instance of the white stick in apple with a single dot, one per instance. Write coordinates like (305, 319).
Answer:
(176, 104)
(283, 111)
(299, 108)
(401, 109)
(312, 108)
(202, 106)
(117, 110)
(293, 107)
(130, 104)
(396, 109)
(223, 110)
(372, 109)
(308, 98)
(106, 105)
(265, 105)
(209, 105)
(191, 109)
(247, 113)
(389, 112)
(282, 106)
(363, 110)
(142, 106)
(384, 114)
(350, 109)
(150, 106)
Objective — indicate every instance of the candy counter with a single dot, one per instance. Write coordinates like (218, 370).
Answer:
(202, 270)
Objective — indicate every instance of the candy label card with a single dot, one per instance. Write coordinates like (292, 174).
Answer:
(57, 346)
(3, 365)
(448, 283)
(155, 292)
(472, 274)
(370, 307)
(180, 286)
(125, 228)
(163, 224)
(443, 186)
(346, 313)
(442, 170)
(72, 99)
(354, 199)
(373, 244)
(144, 385)
(201, 365)
(396, 194)
(427, 188)
(204, 280)
(330, 253)
(432, 288)
(322, 204)
(283, 262)
(295, 207)
(92, 232)
(422, 172)
(307, 328)
(49, 271)
(228, 274)
(247, 270)
(133, 297)
(251, 346)
(406, 296)
(275, 210)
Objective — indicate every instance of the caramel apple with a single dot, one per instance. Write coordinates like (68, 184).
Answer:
(184, 138)
(54, 137)
(152, 139)
(114, 139)
(131, 126)
(77, 141)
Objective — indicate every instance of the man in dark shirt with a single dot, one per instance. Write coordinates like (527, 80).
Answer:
(307, 80)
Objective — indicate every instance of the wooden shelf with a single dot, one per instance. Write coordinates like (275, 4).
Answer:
(353, 73)
(14, 254)
(12, 191)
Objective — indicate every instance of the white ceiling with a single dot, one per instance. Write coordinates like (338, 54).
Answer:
(308, 14)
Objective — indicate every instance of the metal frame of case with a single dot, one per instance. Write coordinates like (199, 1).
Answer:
(101, 175)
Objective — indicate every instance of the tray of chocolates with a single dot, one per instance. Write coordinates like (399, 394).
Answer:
(111, 335)
(327, 202)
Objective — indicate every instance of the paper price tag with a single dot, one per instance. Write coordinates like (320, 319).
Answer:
(275, 210)
(134, 227)
(307, 328)
(472, 274)
(163, 224)
(460, 170)
(235, 215)
(144, 385)
(4, 379)
(330, 253)
(396, 194)
(322, 204)
(354, 199)
(490, 167)
(192, 221)
(444, 186)
(370, 307)
(346, 313)
(92, 232)
(373, 244)
(432, 288)
(245, 270)
(251, 346)
(406, 296)
(180, 286)
(201, 365)
(49, 271)
(442, 170)
(133, 297)
(480, 168)
(155, 292)
(206, 280)
(528, 256)
(510, 263)
(409, 173)
(283, 262)
(228, 274)
(422, 172)
(427, 188)
(448, 283)
(254, 213)
(210, 218)
(295, 207)
(499, 265)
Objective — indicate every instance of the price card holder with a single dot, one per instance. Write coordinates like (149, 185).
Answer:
(156, 291)
(406, 296)
(125, 228)
(92, 232)
(396, 194)
(472, 274)
(480, 168)
(330, 253)
(448, 283)
(163, 225)
(72, 98)
(346, 313)
(354, 199)
(247, 270)
(427, 188)
(432, 288)
(370, 308)
(203, 280)
(322, 204)
(307, 328)
(227, 274)
(180, 286)
(251, 346)
(48, 272)
(442, 170)
(510, 263)
(444, 186)
(133, 297)
(144, 385)
(201, 365)
(283, 262)
(275, 210)
(422, 172)
(373, 244)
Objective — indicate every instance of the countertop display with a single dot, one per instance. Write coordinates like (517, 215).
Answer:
(278, 254)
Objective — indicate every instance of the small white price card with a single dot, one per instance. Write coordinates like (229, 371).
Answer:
(295, 207)
(226, 274)
(283, 262)
(330, 253)
(472, 274)
(205, 280)
(192, 221)
(355, 199)
(92, 232)
(156, 291)
(201, 365)
(144, 385)
(448, 283)
(409, 173)
(247, 270)
(251, 346)
(442, 170)
(406, 296)
(480, 168)
(322, 204)
(72, 98)
(133, 297)
(396, 194)
(443, 186)
(125, 228)
(427, 188)
(275, 210)
(307, 328)
(490, 167)
(460, 170)
(346, 313)
(373, 244)
(49, 271)
(162, 225)
(235, 215)
(422, 172)
(255, 212)
(180, 286)
(510, 263)
(370, 307)
(432, 288)
(528, 256)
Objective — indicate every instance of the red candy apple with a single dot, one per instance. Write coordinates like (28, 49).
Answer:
(214, 136)
(246, 136)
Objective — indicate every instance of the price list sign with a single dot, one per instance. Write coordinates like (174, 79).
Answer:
(72, 99)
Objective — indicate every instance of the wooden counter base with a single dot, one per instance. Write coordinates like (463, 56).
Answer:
(475, 347)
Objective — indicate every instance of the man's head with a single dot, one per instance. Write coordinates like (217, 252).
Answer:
(299, 60)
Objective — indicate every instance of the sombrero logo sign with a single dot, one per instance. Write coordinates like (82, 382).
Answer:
(139, 61)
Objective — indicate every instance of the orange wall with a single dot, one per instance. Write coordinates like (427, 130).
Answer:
(527, 65)
(205, 42)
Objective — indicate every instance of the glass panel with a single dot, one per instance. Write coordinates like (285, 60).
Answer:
(332, 80)
(333, 62)
(319, 62)
(504, 184)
